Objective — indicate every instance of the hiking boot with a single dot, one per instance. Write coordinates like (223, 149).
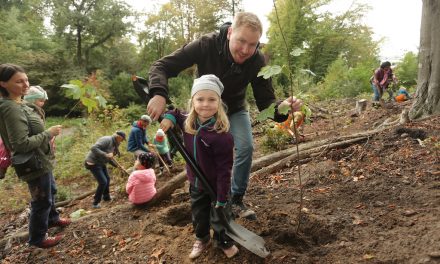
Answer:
(198, 249)
(62, 222)
(231, 251)
(96, 206)
(240, 210)
(50, 241)
(107, 199)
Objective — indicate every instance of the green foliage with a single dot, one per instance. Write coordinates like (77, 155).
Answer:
(269, 71)
(85, 27)
(407, 70)
(342, 81)
(133, 112)
(275, 140)
(316, 39)
(63, 193)
(266, 113)
(108, 115)
(122, 90)
(88, 92)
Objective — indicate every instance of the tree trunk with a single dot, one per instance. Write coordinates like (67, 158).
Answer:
(427, 101)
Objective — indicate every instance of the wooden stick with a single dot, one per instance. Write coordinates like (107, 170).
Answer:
(120, 167)
(160, 157)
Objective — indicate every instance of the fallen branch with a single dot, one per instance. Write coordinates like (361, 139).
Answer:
(303, 155)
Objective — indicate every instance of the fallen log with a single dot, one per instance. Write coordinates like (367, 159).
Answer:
(271, 158)
(304, 154)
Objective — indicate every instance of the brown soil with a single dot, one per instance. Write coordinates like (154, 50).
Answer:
(373, 202)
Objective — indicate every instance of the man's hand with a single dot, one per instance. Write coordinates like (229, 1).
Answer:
(156, 107)
(109, 155)
(292, 102)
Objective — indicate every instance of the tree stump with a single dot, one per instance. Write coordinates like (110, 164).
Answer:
(361, 106)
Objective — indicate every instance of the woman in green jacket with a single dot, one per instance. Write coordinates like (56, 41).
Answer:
(23, 133)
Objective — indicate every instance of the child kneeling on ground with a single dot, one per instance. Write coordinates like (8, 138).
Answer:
(141, 183)
(207, 138)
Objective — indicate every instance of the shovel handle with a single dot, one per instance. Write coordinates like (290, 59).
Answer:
(120, 167)
(160, 157)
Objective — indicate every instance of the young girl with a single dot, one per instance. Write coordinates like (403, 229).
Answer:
(161, 143)
(140, 186)
(207, 140)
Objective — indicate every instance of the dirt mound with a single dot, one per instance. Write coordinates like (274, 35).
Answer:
(377, 201)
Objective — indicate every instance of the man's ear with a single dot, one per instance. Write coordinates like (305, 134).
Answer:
(228, 36)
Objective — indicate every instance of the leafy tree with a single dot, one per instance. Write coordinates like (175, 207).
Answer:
(85, 25)
(324, 38)
(122, 91)
(407, 69)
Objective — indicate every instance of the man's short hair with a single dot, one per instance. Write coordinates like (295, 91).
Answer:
(248, 19)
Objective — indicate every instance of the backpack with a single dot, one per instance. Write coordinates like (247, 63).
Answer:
(5, 159)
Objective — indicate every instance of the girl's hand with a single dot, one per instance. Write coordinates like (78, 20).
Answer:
(55, 130)
(292, 102)
(166, 124)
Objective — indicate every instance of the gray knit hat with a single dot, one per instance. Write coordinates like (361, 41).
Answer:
(35, 92)
(207, 82)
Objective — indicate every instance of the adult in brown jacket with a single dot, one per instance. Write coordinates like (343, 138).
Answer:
(232, 55)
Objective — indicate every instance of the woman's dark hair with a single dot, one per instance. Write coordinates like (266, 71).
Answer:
(6, 72)
(385, 64)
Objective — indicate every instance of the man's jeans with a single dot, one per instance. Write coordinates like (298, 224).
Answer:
(376, 96)
(101, 175)
(241, 131)
(43, 210)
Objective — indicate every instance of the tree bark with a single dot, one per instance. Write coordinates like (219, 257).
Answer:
(427, 101)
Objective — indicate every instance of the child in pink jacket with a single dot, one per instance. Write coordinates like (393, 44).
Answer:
(140, 186)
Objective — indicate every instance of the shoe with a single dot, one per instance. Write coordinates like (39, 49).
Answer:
(50, 241)
(62, 222)
(96, 206)
(240, 210)
(198, 248)
(230, 252)
(107, 199)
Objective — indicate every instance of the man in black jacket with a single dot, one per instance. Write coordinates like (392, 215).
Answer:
(232, 55)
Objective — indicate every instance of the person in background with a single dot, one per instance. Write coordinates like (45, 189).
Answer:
(161, 143)
(207, 139)
(101, 153)
(140, 185)
(233, 56)
(383, 77)
(402, 95)
(22, 130)
(138, 136)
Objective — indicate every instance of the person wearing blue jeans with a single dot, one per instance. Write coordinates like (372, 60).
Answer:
(100, 173)
(42, 191)
(101, 153)
(241, 131)
(233, 55)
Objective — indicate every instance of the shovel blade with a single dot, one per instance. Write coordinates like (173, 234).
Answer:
(247, 239)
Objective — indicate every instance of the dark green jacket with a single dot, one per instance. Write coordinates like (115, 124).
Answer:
(14, 130)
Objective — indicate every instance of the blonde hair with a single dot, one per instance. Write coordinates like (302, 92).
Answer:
(247, 19)
(221, 119)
